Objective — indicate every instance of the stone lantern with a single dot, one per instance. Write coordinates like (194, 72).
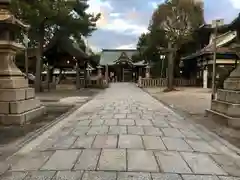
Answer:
(227, 104)
(17, 101)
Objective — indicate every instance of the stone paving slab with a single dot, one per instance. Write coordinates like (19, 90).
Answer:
(201, 146)
(199, 177)
(124, 134)
(158, 176)
(88, 160)
(89, 175)
(117, 130)
(202, 164)
(111, 122)
(141, 161)
(172, 162)
(126, 122)
(228, 178)
(176, 144)
(172, 132)
(152, 131)
(105, 141)
(62, 160)
(135, 130)
(134, 176)
(95, 130)
(83, 142)
(113, 160)
(130, 141)
(40, 175)
(68, 175)
(31, 162)
(14, 176)
(63, 143)
(153, 142)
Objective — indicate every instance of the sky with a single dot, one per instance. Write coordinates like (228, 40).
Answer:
(123, 21)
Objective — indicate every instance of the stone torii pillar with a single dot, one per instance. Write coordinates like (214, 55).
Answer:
(17, 101)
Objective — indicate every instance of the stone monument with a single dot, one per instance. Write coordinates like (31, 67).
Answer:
(18, 104)
(227, 104)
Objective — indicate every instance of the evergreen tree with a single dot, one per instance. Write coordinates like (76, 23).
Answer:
(46, 17)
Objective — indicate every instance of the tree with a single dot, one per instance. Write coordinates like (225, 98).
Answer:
(177, 19)
(46, 17)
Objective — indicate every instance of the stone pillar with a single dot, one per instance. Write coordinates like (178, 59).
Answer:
(54, 79)
(17, 101)
(147, 74)
(48, 77)
(205, 78)
(99, 68)
(77, 76)
(106, 73)
(139, 81)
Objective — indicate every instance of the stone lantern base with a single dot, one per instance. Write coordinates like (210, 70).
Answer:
(227, 104)
(18, 104)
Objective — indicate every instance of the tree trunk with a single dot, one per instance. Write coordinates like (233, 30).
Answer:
(170, 80)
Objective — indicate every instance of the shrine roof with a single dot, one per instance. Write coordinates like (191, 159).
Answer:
(234, 25)
(110, 56)
(221, 43)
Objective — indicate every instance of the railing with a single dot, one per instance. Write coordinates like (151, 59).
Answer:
(161, 82)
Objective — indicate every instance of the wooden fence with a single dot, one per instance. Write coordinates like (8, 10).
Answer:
(161, 82)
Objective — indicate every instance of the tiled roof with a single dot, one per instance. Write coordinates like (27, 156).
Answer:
(110, 56)
(222, 40)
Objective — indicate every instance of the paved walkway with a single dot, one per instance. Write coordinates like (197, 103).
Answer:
(124, 134)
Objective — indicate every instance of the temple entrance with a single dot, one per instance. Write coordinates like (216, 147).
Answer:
(119, 65)
(122, 73)
(127, 75)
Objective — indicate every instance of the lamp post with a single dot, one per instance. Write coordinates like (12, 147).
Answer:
(162, 57)
(215, 25)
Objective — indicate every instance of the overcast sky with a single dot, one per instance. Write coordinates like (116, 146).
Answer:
(123, 21)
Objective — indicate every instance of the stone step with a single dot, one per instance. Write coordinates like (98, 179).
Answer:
(19, 107)
(228, 96)
(229, 109)
(232, 121)
(23, 118)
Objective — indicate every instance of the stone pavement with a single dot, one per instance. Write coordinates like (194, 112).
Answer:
(124, 134)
